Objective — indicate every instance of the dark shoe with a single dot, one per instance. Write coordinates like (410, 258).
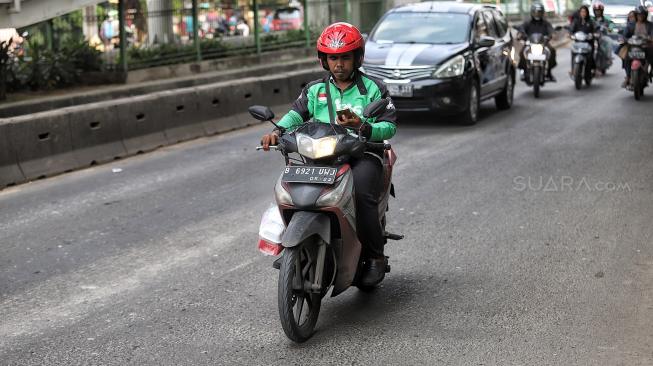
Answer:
(373, 271)
(551, 78)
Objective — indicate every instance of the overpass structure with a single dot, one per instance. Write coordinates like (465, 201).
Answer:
(21, 13)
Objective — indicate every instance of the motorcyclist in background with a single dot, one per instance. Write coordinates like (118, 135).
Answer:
(605, 25)
(583, 23)
(537, 24)
(600, 19)
(641, 27)
(340, 50)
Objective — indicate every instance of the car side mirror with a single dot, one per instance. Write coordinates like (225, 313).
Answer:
(376, 108)
(485, 41)
(261, 113)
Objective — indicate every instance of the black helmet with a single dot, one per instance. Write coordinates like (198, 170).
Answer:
(641, 10)
(537, 11)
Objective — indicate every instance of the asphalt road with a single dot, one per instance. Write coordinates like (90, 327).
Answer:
(528, 242)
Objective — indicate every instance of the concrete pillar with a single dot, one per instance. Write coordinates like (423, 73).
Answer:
(159, 21)
(90, 24)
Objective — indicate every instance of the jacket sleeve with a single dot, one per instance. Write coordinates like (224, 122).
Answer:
(300, 110)
(549, 29)
(384, 126)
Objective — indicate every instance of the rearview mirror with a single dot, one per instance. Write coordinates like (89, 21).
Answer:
(376, 108)
(261, 113)
(485, 41)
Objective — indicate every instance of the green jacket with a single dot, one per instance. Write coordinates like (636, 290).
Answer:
(312, 104)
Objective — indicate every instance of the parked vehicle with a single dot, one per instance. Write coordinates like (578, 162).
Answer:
(443, 57)
(537, 62)
(640, 74)
(289, 18)
(313, 226)
(582, 55)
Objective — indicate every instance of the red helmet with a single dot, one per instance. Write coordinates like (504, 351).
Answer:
(340, 38)
(598, 5)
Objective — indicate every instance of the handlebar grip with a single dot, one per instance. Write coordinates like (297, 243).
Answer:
(272, 147)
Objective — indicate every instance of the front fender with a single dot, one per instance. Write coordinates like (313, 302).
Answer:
(579, 59)
(303, 225)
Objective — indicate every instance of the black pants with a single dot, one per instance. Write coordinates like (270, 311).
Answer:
(368, 182)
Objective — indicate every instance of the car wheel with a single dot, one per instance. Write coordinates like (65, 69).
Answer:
(504, 100)
(470, 116)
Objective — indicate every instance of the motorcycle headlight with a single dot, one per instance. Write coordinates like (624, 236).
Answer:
(537, 49)
(316, 148)
(451, 68)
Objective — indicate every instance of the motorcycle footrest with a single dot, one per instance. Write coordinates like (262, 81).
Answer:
(387, 268)
(392, 236)
(277, 263)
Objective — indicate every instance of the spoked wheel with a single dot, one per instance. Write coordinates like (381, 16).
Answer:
(298, 309)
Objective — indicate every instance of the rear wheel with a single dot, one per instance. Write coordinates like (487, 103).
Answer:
(470, 115)
(298, 309)
(537, 81)
(504, 100)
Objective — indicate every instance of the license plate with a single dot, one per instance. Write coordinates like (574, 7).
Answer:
(637, 54)
(400, 90)
(309, 174)
(533, 57)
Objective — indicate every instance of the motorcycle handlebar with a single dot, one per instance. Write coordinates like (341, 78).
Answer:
(379, 145)
(272, 147)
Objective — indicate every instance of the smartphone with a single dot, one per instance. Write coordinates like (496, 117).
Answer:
(345, 113)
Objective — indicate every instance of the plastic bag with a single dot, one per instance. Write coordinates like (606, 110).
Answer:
(272, 226)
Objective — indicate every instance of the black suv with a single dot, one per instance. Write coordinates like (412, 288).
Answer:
(444, 57)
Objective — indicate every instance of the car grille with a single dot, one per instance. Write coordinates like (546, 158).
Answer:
(399, 73)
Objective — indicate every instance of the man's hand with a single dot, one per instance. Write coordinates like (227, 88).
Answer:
(354, 122)
(269, 139)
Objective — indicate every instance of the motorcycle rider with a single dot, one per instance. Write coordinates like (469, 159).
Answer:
(537, 24)
(605, 25)
(583, 23)
(641, 27)
(600, 19)
(340, 49)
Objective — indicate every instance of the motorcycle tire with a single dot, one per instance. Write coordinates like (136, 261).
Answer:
(637, 87)
(537, 81)
(578, 77)
(292, 300)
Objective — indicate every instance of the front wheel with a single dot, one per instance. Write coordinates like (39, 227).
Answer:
(578, 77)
(588, 76)
(537, 81)
(638, 88)
(298, 309)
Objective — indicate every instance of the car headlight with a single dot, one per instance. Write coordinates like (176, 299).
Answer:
(316, 148)
(537, 49)
(451, 68)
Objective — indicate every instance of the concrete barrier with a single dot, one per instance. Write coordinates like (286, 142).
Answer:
(43, 143)
(10, 172)
(142, 130)
(47, 143)
(179, 111)
(96, 134)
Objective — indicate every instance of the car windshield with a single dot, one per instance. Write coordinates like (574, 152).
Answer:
(409, 27)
